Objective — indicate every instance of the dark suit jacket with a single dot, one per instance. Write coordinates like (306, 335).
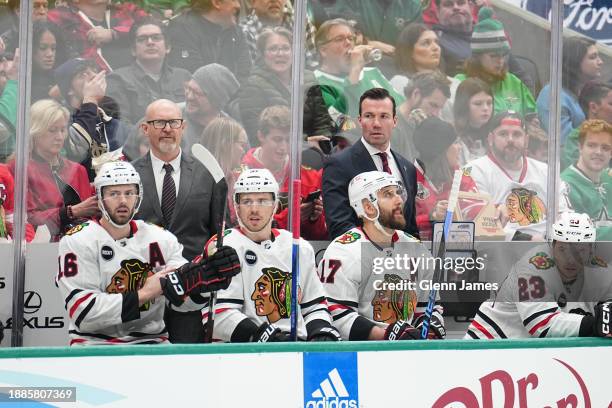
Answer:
(192, 220)
(340, 169)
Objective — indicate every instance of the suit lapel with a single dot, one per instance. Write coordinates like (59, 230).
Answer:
(185, 183)
(362, 161)
(401, 164)
(145, 169)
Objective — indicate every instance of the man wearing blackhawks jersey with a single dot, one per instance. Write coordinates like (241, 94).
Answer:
(256, 307)
(372, 274)
(515, 182)
(114, 274)
(556, 290)
(589, 181)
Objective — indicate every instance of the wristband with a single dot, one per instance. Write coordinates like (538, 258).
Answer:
(69, 212)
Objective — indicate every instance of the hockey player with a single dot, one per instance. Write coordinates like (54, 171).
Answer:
(113, 273)
(368, 299)
(553, 290)
(256, 307)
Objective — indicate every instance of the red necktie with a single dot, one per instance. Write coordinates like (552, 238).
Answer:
(385, 162)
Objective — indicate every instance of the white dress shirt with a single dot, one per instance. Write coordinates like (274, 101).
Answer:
(378, 161)
(159, 173)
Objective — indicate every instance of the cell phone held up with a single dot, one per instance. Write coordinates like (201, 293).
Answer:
(311, 197)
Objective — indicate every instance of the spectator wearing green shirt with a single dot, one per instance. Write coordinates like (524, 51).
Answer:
(589, 180)
(343, 74)
(489, 62)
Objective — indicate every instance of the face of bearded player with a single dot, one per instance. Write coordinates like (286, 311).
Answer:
(391, 207)
(120, 202)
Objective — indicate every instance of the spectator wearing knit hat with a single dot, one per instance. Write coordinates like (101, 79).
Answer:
(439, 153)
(208, 94)
(92, 130)
(489, 62)
(456, 20)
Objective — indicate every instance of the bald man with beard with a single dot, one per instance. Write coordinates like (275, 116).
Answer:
(191, 217)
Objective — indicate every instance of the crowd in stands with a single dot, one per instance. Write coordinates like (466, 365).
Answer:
(462, 100)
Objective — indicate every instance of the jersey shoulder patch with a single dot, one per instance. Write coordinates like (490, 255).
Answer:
(348, 237)
(541, 260)
(467, 171)
(77, 228)
(597, 261)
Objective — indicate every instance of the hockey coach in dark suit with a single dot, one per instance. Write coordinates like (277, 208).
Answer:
(178, 195)
(377, 118)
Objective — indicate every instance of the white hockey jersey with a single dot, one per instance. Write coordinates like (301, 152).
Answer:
(525, 199)
(358, 282)
(262, 290)
(533, 301)
(99, 278)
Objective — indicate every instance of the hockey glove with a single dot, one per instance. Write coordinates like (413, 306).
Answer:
(603, 319)
(269, 334)
(326, 333)
(212, 274)
(436, 328)
(400, 330)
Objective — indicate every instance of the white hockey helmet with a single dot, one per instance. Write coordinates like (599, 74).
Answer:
(574, 227)
(255, 181)
(113, 174)
(366, 185)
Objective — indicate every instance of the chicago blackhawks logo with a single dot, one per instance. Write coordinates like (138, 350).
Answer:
(525, 207)
(422, 192)
(348, 237)
(272, 294)
(2, 194)
(389, 306)
(597, 261)
(77, 228)
(541, 260)
(131, 277)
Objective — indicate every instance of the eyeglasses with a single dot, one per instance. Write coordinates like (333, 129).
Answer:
(341, 39)
(153, 37)
(256, 203)
(115, 195)
(285, 49)
(161, 123)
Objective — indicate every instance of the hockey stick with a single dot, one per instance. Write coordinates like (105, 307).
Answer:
(295, 255)
(201, 154)
(433, 293)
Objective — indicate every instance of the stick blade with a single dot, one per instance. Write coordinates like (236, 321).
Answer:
(208, 160)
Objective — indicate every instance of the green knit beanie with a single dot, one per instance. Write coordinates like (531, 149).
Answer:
(489, 34)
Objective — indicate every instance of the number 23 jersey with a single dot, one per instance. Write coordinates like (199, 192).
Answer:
(533, 301)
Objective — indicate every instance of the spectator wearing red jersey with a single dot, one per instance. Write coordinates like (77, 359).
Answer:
(273, 154)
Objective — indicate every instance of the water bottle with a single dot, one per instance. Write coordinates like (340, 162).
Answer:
(373, 55)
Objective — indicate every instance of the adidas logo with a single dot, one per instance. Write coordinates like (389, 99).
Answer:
(331, 393)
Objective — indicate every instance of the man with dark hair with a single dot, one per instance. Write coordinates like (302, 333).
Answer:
(343, 74)
(596, 102)
(377, 118)
(209, 33)
(150, 76)
(426, 95)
